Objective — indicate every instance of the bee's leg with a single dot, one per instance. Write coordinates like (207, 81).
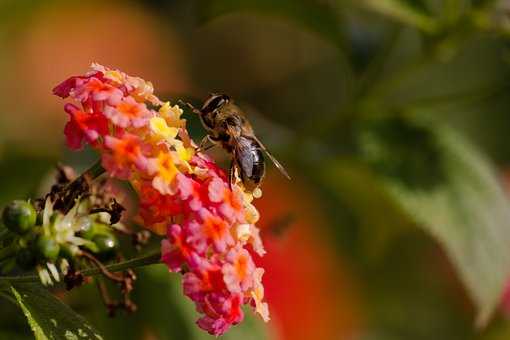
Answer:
(203, 147)
(231, 174)
(191, 107)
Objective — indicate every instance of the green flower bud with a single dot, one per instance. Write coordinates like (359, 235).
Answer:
(46, 248)
(25, 259)
(19, 216)
(86, 228)
(107, 245)
(102, 229)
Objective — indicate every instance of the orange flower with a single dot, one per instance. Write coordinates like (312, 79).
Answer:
(126, 153)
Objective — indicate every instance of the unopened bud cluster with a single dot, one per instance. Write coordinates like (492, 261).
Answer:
(52, 241)
(73, 226)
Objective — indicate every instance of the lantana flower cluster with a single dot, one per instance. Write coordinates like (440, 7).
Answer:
(209, 223)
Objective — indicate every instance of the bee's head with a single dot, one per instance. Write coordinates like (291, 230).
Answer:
(214, 102)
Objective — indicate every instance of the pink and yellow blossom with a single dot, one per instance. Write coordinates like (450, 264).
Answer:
(208, 223)
(238, 271)
(128, 112)
(125, 155)
(164, 171)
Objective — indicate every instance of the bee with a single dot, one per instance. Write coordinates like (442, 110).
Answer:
(226, 125)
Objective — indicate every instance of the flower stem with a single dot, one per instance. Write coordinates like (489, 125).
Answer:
(145, 260)
(95, 170)
(91, 173)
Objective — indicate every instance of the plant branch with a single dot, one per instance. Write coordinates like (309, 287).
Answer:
(94, 171)
(148, 259)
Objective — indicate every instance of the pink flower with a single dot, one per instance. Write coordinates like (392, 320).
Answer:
(207, 279)
(178, 249)
(258, 295)
(64, 89)
(214, 230)
(94, 89)
(256, 241)
(190, 191)
(126, 153)
(238, 271)
(83, 125)
(128, 112)
(228, 201)
(214, 326)
(221, 312)
(157, 208)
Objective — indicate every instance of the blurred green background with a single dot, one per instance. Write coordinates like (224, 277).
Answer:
(391, 116)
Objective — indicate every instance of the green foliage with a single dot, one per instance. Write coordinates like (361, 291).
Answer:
(445, 186)
(313, 15)
(395, 177)
(402, 11)
(48, 317)
(468, 214)
(403, 151)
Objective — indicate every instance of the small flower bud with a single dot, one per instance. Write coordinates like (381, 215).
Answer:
(19, 216)
(107, 245)
(46, 248)
(86, 227)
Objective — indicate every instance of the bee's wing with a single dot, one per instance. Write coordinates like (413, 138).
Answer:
(274, 160)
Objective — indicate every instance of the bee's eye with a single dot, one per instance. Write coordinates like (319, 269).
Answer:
(214, 102)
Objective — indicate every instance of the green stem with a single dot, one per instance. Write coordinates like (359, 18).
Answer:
(148, 259)
(91, 173)
(95, 170)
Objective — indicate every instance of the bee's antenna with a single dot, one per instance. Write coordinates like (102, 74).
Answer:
(191, 107)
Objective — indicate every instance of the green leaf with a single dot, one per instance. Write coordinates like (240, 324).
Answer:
(401, 11)
(469, 215)
(317, 16)
(450, 189)
(48, 317)
(360, 192)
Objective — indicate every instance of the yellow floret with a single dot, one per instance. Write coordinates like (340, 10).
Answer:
(160, 128)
